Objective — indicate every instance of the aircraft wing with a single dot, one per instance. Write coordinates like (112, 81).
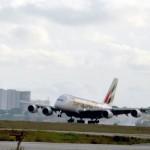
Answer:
(89, 113)
(110, 112)
(126, 111)
(47, 107)
(33, 106)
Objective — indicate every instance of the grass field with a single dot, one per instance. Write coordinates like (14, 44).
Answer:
(9, 131)
(74, 127)
(53, 137)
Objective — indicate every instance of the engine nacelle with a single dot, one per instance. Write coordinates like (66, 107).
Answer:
(32, 108)
(107, 114)
(47, 111)
(136, 113)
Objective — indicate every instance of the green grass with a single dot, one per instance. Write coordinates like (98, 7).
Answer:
(43, 136)
(40, 133)
(74, 127)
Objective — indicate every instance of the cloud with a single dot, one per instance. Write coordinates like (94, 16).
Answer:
(131, 56)
(80, 12)
(44, 43)
(115, 54)
(74, 13)
(65, 12)
(5, 53)
(119, 55)
(68, 16)
(130, 13)
(31, 34)
(67, 59)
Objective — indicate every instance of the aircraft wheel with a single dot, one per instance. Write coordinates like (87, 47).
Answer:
(96, 121)
(93, 122)
(59, 115)
(71, 120)
(80, 121)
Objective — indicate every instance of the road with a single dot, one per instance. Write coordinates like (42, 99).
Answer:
(7, 145)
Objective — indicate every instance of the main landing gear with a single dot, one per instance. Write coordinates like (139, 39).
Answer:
(71, 120)
(81, 121)
(93, 121)
(96, 121)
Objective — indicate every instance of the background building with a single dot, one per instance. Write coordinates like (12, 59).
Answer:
(41, 102)
(24, 99)
(12, 98)
(3, 99)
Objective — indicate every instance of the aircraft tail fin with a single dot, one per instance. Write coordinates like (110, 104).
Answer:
(111, 92)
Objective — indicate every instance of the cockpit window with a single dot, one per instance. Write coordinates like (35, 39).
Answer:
(60, 99)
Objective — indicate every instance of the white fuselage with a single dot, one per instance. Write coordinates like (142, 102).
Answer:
(76, 104)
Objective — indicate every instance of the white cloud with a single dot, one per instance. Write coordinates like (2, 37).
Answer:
(62, 41)
(119, 54)
(131, 55)
(67, 59)
(31, 34)
(77, 5)
(98, 37)
(132, 13)
(5, 53)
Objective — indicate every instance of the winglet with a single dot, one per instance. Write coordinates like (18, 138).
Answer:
(111, 92)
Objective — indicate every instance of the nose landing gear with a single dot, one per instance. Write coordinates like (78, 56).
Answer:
(60, 113)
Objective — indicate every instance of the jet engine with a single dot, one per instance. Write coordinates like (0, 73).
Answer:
(32, 108)
(136, 113)
(47, 111)
(107, 114)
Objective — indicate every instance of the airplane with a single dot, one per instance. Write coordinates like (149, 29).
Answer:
(81, 108)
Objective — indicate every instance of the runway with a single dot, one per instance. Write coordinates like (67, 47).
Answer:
(7, 145)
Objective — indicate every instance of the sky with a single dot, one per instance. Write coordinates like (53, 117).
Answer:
(77, 47)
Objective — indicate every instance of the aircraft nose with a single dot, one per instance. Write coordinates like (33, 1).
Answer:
(62, 100)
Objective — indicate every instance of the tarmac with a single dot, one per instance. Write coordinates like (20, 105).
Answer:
(7, 145)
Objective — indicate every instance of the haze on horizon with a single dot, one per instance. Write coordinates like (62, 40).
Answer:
(76, 47)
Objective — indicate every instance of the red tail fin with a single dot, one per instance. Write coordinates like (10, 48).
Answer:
(111, 92)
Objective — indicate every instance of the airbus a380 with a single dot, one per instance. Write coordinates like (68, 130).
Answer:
(81, 108)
